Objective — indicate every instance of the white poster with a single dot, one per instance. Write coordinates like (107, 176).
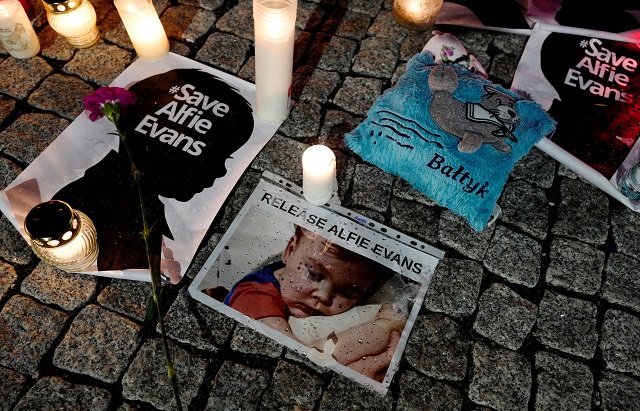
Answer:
(193, 131)
(326, 282)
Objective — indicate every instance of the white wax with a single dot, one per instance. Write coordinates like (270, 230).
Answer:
(274, 31)
(318, 174)
(144, 28)
(16, 32)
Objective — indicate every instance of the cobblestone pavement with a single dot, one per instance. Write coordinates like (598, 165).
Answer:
(541, 311)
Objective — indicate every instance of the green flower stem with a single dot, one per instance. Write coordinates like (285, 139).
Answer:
(154, 268)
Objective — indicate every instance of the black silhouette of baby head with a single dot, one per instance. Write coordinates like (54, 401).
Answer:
(185, 124)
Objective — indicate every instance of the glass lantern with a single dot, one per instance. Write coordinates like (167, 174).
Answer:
(75, 20)
(61, 236)
(416, 15)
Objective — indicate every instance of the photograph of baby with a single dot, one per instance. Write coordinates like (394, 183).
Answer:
(347, 310)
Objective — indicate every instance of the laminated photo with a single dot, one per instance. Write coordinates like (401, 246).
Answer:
(326, 282)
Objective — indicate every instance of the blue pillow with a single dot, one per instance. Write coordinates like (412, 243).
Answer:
(453, 135)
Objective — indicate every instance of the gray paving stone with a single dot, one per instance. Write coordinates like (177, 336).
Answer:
(625, 226)
(283, 156)
(405, 191)
(193, 323)
(11, 386)
(303, 122)
(536, 168)
(419, 393)
(99, 64)
(248, 341)
(309, 16)
(371, 187)
(567, 324)
(248, 71)
(13, 248)
(224, 51)
(620, 342)
(358, 94)
(8, 171)
(318, 86)
(99, 344)
(292, 387)
(62, 95)
(187, 23)
(54, 46)
(245, 187)
(113, 30)
(510, 43)
(415, 219)
(619, 392)
(20, 77)
(582, 213)
(455, 232)
(575, 266)
(377, 57)
(336, 124)
(351, 24)
(501, 378)
(146, 379)
(238, 20)
(454, 287)
(27, 331)
(504, 316)
(8, 279)
(37, 129)
(475, 40)
(562, 384)
(54, 393)
(54, 286)
(305, 362)
(385, 26)
(514, 257)
(622, 282)
(413, 44)
(526, 207)
(7, 105)
(126, 297)
(205, 4)
(502, 69)
(370, 7)
(333, 53)
(232, 379)
(343, 394)
(438, 348)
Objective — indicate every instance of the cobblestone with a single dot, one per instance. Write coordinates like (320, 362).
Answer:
(622, 283)
(357, 94)
(418, 393)
(562, 384)
(54, 393)
(454, 287)
(367, 177)
(453, 231)
(620, 343)
(233, 378)
(619, 392)
(53, 286)
(187, 23)
(414, 219)
(575, 266)
(21, 76)
(521, 264)
(377, 57)
(625, 225)
(292, 388)
(526, 207)
(39, 129)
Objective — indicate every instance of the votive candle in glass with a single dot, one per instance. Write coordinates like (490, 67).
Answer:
(318, 174)
(61, 236)
(144, 28)
(274, 31)
(416, 15)
(75, 20)
(16, 32)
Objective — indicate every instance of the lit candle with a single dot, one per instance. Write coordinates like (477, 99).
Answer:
(416, 14)
(75, 20)
(16, 32)
(318, 174)
(144, 28)
(62, 236)
(274, 31)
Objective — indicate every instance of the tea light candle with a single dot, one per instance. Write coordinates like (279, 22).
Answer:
(144, 28)
(75, 20)
(274, 31)
(318, 174)
(417, 15)
(61, 236)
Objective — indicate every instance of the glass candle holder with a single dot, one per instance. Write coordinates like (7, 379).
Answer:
(318, 174)
(16, 32)
(144, 28)
(61, 236)
(274, 30)
(75, 20)
(416, 15)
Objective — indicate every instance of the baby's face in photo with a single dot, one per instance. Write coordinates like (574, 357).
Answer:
(319, 279)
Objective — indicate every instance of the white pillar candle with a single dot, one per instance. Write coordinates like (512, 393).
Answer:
(274, 31)
(318, 174)
(16, 32)
(75, 20)
(144, 28)
(416, 14)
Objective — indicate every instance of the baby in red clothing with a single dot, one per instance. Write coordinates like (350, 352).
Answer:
(318, 277)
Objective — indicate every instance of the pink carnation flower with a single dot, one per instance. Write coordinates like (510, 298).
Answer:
(108, 101)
